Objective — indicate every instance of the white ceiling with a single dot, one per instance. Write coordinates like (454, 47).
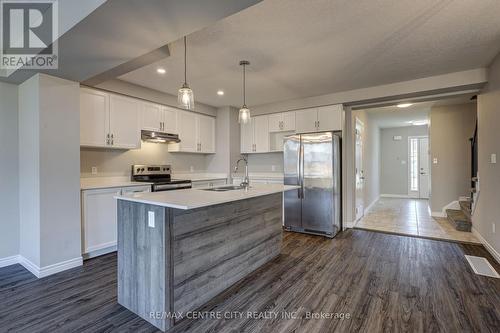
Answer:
(392, 116)
(307, 48)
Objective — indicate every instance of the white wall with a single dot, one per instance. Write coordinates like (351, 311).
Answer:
(371, 157)
(227, 140)
(487, 211)
(451, 127)
(394, 158)
(114, 162)
(49, 172)
(155, 96)
(9, 174)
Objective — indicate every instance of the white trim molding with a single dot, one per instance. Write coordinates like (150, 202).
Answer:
(387, 195)
(41, 272)
(452, 205)
(370, 206)
(487, 245)
(7, 261)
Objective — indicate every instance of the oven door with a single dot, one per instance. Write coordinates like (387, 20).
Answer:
(170, 187)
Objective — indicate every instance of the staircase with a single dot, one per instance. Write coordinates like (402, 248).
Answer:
(461, 219)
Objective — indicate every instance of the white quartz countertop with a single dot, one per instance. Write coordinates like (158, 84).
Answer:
(107, 182)
(196, 198)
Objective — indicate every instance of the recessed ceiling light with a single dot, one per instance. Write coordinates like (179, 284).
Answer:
(404, 105)
(161, 70)
(220, 92)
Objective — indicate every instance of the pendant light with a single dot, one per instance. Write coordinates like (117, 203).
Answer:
(244, 115)
(185, 97)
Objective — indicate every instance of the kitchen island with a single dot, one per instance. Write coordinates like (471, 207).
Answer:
(179, 249)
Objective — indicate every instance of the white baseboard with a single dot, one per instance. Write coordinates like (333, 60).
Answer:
(386, 195)
(349, 225)
(487, 245)
(442, 213)
(7, 261)
(41, 272)
(370, 206)
(99, 252)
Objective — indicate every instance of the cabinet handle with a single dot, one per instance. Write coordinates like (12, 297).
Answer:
(107, 139)
(112, 139)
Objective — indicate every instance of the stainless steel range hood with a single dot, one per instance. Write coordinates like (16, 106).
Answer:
(159, 137)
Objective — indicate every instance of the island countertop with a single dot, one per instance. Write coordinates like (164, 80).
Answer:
(196, 198)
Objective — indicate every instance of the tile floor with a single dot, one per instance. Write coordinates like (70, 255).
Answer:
(411, 217)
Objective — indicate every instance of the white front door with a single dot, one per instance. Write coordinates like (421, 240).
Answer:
(418, 167)
(360, 178)
(423, 162)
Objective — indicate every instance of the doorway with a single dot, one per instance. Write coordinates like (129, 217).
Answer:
(418, 167)
(359, 172)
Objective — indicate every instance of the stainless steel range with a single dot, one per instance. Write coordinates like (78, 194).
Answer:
(160, 176)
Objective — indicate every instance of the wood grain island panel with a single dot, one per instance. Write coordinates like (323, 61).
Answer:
(190, 256)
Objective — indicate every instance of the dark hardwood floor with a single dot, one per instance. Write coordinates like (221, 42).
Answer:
(383, 282)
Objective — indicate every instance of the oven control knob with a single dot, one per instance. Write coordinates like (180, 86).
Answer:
(138, 170)
(142, 169)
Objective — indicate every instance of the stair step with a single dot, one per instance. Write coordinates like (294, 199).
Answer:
(459, 220)
(466, 208)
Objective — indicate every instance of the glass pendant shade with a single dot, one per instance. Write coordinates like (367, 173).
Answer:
(185, 97)
(244, 115)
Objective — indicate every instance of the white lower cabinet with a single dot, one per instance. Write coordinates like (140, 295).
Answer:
(209, 183)
(99, 220)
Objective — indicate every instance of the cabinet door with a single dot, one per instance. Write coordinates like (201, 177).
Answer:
(275, 122)
(289, 121)
(206, 134)
(124, 122)
(169, 120)
(188, 131)
(200, 184)
(136, 189)
(151, 117)
(94, 118)
(261, 134)
(246, 136)
(305, 120)
(99, 219)
(330, 118)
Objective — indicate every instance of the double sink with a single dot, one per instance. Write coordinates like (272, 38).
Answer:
(224, 188)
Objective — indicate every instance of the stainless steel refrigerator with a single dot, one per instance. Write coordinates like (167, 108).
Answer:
(313, 162)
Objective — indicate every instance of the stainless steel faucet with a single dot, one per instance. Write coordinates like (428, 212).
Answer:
(246, 181)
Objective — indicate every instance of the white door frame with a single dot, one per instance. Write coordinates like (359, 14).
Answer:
(359, 204)
(416, 194)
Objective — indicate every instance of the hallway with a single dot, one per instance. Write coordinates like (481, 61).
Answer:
(410, 217)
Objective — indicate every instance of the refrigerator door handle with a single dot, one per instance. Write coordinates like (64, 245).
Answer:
(301, 169)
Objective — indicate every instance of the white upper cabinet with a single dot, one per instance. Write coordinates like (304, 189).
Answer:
(94, 118)
(330, 118)
(196, 132)
(282, 122)
(124, 120)
(325, 118)
(155, 117)
(151, 117)
(247, 137)
(206, 134)
(255, 135)
(108, 120)
(261, 134)
(169, 119)
(306, 120)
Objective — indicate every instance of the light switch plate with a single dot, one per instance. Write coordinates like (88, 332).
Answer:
(493, 158)
(94, 170)
(151, 219)
(434, 160)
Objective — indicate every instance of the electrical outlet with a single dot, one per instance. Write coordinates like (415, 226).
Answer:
(493, 158)
(94, 170)
(435, 160)
(151, 219)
